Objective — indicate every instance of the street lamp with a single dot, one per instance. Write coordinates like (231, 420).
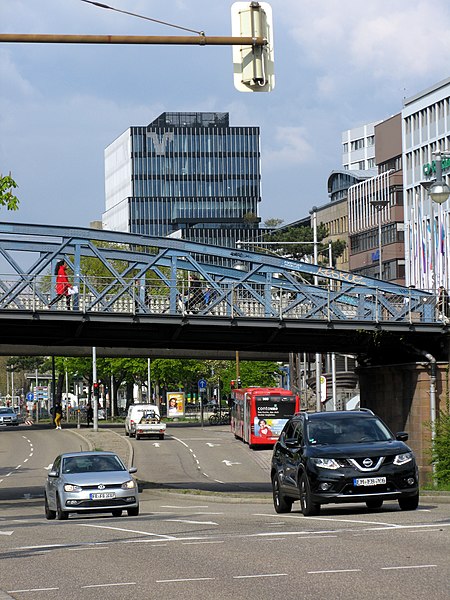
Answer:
(439, 192)
(379, 205)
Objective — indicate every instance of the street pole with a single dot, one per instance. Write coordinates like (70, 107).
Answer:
(149, 385)
(94, 381)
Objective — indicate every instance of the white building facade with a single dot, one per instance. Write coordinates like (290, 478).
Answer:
(358, 147)
(426, 129)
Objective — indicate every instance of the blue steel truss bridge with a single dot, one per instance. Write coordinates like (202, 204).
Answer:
(147, 295)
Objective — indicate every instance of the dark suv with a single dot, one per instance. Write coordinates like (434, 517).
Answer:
(345, 456)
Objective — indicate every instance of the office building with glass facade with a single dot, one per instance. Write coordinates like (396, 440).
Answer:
(185, 174)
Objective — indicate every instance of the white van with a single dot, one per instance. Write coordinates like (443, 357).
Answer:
(137, 414)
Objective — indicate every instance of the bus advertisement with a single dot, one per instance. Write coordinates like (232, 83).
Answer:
(259, 414)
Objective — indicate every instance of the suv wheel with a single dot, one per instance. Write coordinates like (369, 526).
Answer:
(280, 502)
(308, 507)
(410, 503)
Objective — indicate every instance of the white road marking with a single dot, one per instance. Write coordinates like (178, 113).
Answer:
(49, 467)
(6, 532)
(212, 445)
(33, 590)
(156, 444)
(96, 585)
(205, 542)
(183, 580)
(260, 575)
(18, 467)
(166, 537)
(409, 567)
(26, 460)
(334, 571)
(229, 463)
(191, 522)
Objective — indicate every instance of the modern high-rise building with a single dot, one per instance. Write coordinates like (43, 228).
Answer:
(185, 174)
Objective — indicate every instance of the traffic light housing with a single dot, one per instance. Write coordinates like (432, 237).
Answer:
(233, 384)
(96, 390)
(253, 65)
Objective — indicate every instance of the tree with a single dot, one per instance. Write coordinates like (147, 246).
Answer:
(305, 237)
(7, 198)
(273, 223)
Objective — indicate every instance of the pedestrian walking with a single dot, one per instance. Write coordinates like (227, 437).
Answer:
(89, 414)
(62, 287)
(58, 415)
(443, 304)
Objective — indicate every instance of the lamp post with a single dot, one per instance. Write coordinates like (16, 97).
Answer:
(439, 192)
(379, 205)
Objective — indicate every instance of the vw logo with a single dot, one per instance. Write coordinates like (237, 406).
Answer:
(102, 487)
(367, 462)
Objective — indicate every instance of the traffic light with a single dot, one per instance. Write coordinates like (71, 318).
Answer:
(96, 390)
(253, 65)
(232, 384)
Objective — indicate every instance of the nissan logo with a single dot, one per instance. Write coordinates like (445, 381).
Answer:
(367, 462)
(102, 487)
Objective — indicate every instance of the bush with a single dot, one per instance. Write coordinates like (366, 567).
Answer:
(441, 449)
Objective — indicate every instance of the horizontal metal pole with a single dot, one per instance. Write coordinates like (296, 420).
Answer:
(201, 40)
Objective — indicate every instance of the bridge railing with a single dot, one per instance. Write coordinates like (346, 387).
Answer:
(220, 298)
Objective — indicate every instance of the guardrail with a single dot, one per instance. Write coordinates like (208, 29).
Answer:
(217, 299)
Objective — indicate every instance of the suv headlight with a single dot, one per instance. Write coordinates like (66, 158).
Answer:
(128, 485)
(69, 487)
(326, 463)
(401, 459)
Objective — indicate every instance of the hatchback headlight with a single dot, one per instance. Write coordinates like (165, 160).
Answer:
(401, 459)
(69, 487)
(326, 463)
(128, 485)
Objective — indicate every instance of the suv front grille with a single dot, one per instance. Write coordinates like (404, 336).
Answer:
(366, 464)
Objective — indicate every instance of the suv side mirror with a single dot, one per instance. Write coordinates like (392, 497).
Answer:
(401, 436)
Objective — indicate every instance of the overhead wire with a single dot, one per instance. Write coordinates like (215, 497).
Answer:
(101, 5)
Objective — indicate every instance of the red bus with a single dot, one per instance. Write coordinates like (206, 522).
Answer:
(258, 414)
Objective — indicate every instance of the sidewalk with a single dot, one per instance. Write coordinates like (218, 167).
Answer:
(109, 440)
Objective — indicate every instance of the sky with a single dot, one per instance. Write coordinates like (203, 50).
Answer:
(338, 64)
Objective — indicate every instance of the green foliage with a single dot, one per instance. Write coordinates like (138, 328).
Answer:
(441, 450)
(305, 237)
(7, 198)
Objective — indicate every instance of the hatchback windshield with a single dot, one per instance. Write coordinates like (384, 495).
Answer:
(86, 464)
(347, 431)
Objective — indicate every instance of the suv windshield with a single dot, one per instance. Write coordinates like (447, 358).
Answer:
(347, 430)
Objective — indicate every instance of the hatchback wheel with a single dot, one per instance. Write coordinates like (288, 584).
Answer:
(133, 511)
(375, 503)
(49, 514)
(308, 507)
(410, 503)
(281, 503)
(61, 514)
(117, 512)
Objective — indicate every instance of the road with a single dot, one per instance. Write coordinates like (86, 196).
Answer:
(227, 546)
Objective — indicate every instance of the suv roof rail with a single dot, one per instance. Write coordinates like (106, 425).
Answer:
(367, 410)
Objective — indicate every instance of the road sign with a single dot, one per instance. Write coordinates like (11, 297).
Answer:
(202, 384)
(30, 396)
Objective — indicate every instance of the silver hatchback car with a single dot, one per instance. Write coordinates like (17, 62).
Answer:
(81, 482)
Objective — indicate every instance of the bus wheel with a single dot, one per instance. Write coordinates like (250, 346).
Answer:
(281, 503)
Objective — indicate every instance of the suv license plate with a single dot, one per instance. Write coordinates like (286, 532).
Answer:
(370, 481)
(103, 496)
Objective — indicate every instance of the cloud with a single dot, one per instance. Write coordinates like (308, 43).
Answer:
(405, 38)
(291, 148)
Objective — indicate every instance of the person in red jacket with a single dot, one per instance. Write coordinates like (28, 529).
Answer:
(62, 284)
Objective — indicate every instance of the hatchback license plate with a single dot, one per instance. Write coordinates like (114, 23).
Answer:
(370, 481)
(103, 496)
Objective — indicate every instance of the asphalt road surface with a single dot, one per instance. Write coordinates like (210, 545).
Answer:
(204, 545)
